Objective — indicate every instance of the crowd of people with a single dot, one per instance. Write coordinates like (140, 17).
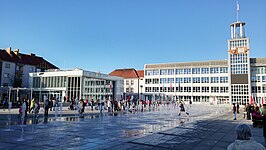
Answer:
(114, 105)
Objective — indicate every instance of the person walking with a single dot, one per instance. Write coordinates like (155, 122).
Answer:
(237, 108)
(244, 140)
(234, 110)
(46, 106)
(31, 106)
(182, 109)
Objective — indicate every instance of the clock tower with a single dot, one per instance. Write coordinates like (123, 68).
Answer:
(239, 63)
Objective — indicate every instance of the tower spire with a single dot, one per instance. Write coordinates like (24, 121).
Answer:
(237, 10)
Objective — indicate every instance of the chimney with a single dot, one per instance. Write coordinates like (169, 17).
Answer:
(31, 54)
(8, 50)
(16, 51)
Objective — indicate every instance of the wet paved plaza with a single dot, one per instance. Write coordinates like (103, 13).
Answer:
(207, 127)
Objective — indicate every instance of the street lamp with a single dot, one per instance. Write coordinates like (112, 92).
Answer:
(40, 94)
(141, 86)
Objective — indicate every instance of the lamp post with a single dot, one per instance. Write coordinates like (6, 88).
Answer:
(40, 94)
(141, 86)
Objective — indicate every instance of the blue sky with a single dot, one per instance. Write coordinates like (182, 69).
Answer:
(103, 35)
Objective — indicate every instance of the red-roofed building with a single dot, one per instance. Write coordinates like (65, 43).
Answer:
(133, 81)
(15, 68)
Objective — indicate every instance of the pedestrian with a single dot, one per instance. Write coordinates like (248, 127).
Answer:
(92, 104)
(244, 140)
(4, 104)
(36, 109)
(234, 110)
(31, 106)
(46, 106)
(20, 112)
(237, 108)
(264, 121)
(190, 103)
(182, 108)
(248, 109)
(245, 110)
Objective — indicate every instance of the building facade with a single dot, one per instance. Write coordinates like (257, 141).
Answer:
(133, 81)
(75, 84)
(236, 80)
(15, 68)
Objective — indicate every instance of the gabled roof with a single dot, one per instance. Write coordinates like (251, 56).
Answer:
(140, 73)
(29, 59)
(125, 73)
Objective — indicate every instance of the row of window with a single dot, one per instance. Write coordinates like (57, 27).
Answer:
(49, 82)
(239, 43)
(258, 70)
(131, 82)
(187, 80)
(212, 70)
(258, 78)
(96, 90)
(258, 89)
(188, 89)
(130, 90)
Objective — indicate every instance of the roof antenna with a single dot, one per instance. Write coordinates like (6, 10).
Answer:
(237, 10)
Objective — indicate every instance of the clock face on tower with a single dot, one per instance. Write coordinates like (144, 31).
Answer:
(238, 50)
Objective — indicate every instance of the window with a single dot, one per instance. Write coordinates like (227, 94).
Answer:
(7, 65)
(127, 82)
(196, 89)
(205, 89)
(196, 80)
(187, 89)
(214, 79)
(205, 80)
(148, 72)
(155, 72)
(263, 78)
(223, 79)
(255, 79)
(223, 89)
(132, 82)
(171, 72)
(215, 89)
(187, 80)
(179, 80)
(187, 71)
(223, 70)
(163, 72)
(127, 90)
(170, 80)
(196, 70)
(214, 70)
(162, 80)
(179, 71)
(205, 70)
(263, 70)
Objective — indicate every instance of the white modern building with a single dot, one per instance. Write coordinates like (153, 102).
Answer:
(76, 84)
(235, 80)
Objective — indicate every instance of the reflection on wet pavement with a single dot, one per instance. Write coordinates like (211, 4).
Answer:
(103, 131)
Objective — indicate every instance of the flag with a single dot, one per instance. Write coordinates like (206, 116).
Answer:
(237, 6)
(251, 101)
(111, 86)
(171, 87)
(262, 100)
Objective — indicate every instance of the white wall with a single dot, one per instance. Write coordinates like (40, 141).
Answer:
(10, 71)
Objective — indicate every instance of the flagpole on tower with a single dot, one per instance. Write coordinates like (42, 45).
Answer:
(237, 10)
